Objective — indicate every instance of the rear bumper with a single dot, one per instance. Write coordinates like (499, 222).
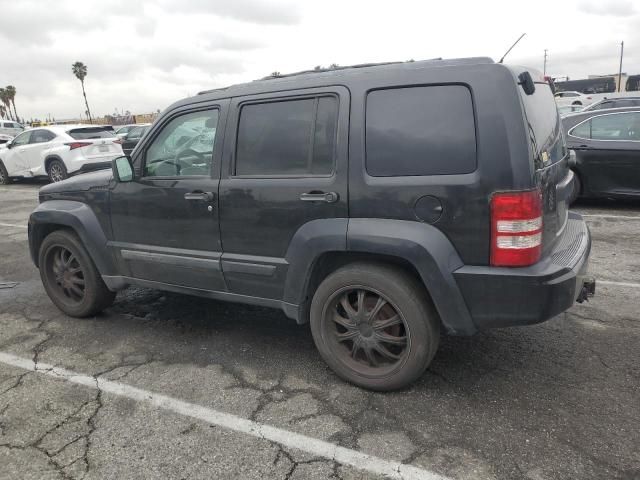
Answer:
(502, 297)
(81, 165)
(92, 167)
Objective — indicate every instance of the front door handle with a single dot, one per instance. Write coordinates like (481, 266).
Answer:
(327, 197)
(204, 196)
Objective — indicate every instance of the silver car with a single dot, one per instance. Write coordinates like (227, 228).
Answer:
(10, 128)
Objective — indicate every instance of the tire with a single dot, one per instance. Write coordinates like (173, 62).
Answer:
(4, 176)
(382, 361)
(57, 171)
(69, 276)
(577, 189)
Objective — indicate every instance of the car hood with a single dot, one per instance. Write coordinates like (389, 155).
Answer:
(80, 183)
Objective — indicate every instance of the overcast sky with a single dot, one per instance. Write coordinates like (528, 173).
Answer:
(142, 56)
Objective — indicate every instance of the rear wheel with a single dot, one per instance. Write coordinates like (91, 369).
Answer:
(4, 176)
(57, 171)
(374, 326)
(69, 276)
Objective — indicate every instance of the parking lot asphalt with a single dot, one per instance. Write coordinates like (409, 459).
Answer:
(168, 386)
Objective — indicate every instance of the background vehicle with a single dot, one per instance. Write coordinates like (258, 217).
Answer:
(10, 128)
(131, 139)
(355, 199)
(567, 109)
(123, 130)
(5, 138)
(572, 98)
(607, 149)
(58, 151)
(618, 102)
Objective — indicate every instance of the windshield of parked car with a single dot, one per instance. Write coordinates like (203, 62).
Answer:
(90, 133)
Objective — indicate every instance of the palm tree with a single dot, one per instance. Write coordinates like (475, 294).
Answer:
(4, 98)
(3, 111)
(11, 96)
(79, 69)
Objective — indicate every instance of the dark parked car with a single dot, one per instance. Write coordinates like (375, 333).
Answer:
(619, 102)
(607, 152)
(132, 138)
(382, 203)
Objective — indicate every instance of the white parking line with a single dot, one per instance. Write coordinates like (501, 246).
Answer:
(617, 284)
(22, 190)
(602, 215)
(12, 225)
(297, 441)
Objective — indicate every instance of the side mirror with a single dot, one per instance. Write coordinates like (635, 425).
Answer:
(527, 83)
(10, 144)
(122, 169)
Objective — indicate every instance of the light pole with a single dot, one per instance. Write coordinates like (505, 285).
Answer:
(544, 69)
(620, 70)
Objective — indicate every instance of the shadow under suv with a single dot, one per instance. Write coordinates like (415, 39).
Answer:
(382, 203)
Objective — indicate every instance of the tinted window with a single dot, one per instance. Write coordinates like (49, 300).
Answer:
(543, 123)
(582, 131)
(292, 137)
(136, 133)
(41, 136)
(184, 147)
(602, 105)
(420, 131)
(89, 133)
(623, 126)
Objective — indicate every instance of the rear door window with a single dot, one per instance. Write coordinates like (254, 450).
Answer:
(621, 126)
(419, 131)
(290, 137)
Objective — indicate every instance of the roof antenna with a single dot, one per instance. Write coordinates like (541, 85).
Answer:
(511, 47)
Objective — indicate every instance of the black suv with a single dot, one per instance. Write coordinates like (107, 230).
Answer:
(382, 203)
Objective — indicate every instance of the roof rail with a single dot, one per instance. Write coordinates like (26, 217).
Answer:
(455, 61)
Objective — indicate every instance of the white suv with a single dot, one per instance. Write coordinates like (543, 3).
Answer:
(10, 128)
(573, 98)
(57, 152)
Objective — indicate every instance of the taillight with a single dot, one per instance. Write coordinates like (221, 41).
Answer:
(74, 145)
(516, 228)
(118, 141)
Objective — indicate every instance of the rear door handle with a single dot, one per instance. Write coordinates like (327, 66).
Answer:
(204, 196)
(327, 197)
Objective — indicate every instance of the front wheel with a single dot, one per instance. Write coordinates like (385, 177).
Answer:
(374, 326)
(69, 276)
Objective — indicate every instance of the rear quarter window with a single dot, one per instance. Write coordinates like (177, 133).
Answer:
(543, 122)
(420, 131)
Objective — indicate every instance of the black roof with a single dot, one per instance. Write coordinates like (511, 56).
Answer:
(344, 72)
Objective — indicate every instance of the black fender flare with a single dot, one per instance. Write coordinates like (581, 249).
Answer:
(80, 218)
(309, 242)
(422, 245)
(431, 254)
